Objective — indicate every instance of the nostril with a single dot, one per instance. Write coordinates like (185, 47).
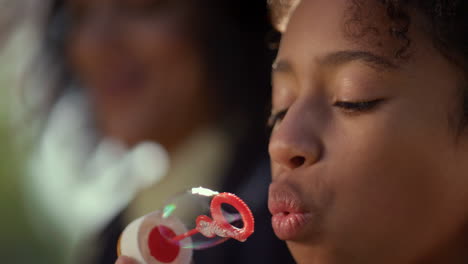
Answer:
(297, 161)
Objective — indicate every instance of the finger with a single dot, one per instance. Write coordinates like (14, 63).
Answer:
(125, 260)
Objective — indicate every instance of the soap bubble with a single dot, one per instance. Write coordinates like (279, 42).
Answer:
(194, 220)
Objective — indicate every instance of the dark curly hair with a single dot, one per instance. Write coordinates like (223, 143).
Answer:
(448, 27)
(447, 24)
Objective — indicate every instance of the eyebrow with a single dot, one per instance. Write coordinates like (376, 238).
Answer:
(339, 58)
(346, 56)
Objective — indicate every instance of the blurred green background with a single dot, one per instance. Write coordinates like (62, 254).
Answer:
(18, 244)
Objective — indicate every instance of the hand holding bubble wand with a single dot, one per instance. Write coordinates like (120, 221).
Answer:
(164, 236)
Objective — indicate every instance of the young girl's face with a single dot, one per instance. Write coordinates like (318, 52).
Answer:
(367, 165)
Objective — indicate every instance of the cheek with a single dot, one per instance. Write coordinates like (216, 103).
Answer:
(391, 181)
(387, 180)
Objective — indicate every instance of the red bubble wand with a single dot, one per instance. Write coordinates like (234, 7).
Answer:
(219, 226)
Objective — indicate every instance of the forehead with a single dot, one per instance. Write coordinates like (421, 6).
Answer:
(327, 25)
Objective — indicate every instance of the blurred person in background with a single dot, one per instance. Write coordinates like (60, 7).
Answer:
(192, 76)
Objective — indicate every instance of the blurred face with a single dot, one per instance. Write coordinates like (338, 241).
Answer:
(141, 69)
(366, 164)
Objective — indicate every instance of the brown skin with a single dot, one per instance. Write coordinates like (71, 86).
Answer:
(125, 260)
(389, 183)
(141, 68)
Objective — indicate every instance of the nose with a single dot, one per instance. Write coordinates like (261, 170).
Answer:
(97, 42)
(295, 142)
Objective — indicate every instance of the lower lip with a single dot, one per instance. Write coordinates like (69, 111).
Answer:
(288, 226)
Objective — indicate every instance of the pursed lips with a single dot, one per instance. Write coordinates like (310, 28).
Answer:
(289, 215)
(283, 199)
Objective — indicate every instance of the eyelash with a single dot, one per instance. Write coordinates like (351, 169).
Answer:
(349, 107)
(357, 107)
(276, 117)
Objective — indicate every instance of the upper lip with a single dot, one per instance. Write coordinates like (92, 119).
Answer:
(284, 199)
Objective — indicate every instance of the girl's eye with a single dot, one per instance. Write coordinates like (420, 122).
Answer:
(356, 107)
(276, 117)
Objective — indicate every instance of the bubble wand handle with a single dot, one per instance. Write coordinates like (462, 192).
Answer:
(185, 235)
